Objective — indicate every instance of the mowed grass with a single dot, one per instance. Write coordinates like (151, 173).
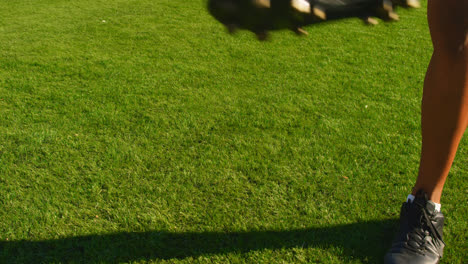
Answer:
(138, 131)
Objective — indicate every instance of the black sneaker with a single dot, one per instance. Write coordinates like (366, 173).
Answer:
(419, 240)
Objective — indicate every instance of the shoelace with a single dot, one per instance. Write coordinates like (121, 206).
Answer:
(437, 237)
(420, 231)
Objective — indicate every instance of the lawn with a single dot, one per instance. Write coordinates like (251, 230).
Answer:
(138, 131)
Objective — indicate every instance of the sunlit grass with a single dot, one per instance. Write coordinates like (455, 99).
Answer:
(139, 131)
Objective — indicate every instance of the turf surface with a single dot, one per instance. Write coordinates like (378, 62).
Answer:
(138, 131)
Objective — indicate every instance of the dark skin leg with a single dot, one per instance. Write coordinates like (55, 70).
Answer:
(445, 94)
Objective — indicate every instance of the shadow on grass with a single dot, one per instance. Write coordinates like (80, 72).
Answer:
(366, 241)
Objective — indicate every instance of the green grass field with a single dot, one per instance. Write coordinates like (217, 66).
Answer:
(138, 131)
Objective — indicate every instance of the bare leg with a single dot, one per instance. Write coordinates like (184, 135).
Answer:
(445, 95)
(444, 120)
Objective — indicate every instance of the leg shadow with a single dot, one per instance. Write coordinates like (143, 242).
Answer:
(366, 241)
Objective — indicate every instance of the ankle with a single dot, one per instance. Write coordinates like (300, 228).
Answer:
(411, 198)
(433, 194)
